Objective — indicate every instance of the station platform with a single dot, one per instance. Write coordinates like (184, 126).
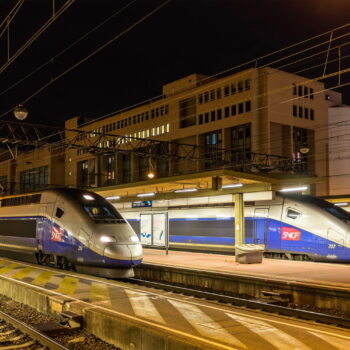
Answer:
(133, 317)
(316, 273)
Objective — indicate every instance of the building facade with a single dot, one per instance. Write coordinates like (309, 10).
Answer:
(231, 119)
(234, 122)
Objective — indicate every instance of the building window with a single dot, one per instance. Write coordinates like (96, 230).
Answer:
(218, 93)
(212, 95)
(212, 149)
(241, 147)
(34, 179)
(200, 99)
(312, 114)
(240, 86)
(311, 93)
(295, 114)
(219, 114)
(200, 119)
(300, 90)
(306, 113)
(233, 88)
(306, 92)
(227, 112)
(247, 106)
(206, 97)
(187, 112)
(233, 110)
(294, 89)
(226, 90)
(247, 84)
(300, 112)
(300, 140)
(206, 117)
(212, 116)
(240, 108)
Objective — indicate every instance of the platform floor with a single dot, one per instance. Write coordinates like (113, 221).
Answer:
(300, 271)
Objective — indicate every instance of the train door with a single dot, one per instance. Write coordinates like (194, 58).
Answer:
(261, 215)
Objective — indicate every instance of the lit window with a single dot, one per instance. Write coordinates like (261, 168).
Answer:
(168, 128)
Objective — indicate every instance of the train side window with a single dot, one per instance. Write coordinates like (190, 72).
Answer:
(292, 214)
(59, 212)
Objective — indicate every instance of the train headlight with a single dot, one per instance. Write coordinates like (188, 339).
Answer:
(107, 239)
(135, 239)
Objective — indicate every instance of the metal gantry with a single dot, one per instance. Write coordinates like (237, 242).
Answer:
(26, 136)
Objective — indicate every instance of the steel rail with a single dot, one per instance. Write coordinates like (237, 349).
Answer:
(249, 303)
(32, 332)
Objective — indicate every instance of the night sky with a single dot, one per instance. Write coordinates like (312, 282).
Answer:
(186, 36)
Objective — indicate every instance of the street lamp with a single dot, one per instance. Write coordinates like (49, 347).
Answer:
(20, 112)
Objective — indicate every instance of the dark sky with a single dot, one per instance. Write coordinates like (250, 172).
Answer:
(186, 36)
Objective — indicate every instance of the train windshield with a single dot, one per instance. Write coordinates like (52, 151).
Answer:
(101, 212)
(328, 207)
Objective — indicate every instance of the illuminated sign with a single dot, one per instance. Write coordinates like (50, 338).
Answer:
(290, 234)
(141, 204)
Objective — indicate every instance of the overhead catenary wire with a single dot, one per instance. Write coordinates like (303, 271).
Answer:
(36, 35)
(55, 57)
(92, 53)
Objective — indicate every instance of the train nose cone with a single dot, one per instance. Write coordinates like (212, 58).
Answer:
(132, 252)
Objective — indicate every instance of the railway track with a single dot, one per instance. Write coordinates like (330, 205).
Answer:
(268, 305)
(15, 334)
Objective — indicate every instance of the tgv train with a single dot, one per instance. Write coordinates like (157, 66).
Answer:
(70, 229)
(290, 227)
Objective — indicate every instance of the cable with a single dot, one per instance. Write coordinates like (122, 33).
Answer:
(93, 53)
(36, 35)
(68, 47)
(6, 22)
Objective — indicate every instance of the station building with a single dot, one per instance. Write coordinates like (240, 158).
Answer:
(256, 112)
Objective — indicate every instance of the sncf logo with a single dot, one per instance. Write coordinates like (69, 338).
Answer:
(290, 234)
(56, 234)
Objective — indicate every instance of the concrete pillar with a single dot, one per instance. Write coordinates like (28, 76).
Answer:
(239, 218)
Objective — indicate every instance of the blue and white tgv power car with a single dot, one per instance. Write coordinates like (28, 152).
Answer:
(70, 229)
(292, 227)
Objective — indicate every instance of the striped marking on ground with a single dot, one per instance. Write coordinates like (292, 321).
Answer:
(43, 278)
(271, 334)
(99, 292)
(68, 285)
(338, 343)
(143, 306)
(8, 268)
(200, 321)
(23, 273)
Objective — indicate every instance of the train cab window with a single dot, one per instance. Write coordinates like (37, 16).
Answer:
(59, 212)
(292, 214)
(101, 212)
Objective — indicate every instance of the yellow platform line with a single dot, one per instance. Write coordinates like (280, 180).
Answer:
(271, 334)
(23, 273)
(98, 292)
(68, 285)
(8, 268)
(43, 278)
(204, 324)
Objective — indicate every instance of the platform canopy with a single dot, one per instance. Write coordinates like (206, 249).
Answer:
(210, 183)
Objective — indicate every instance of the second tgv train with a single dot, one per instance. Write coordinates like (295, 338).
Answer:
(292, 227)
(70, 229)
